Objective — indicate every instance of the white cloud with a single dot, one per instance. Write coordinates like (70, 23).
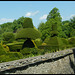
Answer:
(31, 13)
(3, 20)
(28, 14)
(43, 17)
(73, 15)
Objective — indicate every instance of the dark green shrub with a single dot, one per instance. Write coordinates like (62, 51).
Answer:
(15, 55)
(54, 43)
(29, 52)
(2, 51)
(15, 48)
(8, 37)
(72, 41)
(10, 56)
(25, 51)
(4, 58)
(65, 42)
(27, 23)
(28, 33)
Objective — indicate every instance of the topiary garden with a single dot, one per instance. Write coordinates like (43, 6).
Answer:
(26, 42)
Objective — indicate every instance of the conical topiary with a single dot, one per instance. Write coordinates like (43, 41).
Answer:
(27, 23)
(28, 32)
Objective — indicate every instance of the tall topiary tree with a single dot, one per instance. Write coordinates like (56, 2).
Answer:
(28, 32)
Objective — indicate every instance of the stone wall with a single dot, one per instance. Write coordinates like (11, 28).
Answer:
(61, 62)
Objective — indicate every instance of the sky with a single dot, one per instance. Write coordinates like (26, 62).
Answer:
(37, 10)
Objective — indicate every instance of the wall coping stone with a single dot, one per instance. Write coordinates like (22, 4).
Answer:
(31, 60)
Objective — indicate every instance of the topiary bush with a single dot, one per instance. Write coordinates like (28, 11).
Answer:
(28, 33)
(16, 46)
(54, 43)
(8, 37)
(27, 23)
(72, 41)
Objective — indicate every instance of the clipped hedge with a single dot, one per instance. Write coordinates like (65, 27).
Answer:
(54, 43)
(15, 46)
(28, 33)
(29, 52)
(72, 41)
(27, 23)
(10, 56)
(2, 51)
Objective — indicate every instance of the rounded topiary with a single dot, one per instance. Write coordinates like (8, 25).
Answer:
(27, 23)
(8, 36)
(28, 33)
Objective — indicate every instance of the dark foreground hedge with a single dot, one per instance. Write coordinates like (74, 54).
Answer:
(10, 56)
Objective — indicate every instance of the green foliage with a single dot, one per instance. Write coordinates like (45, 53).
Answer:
(28, 33)
(2, 51)
(27, 23)
(45, 29)
(65, 41)
(38, 42)
(15, 46)
(4, 58)
(10, 56)
(54, 43)
(54, 33)
(53, 24)
(8, 37)
(72, 33)
(6, 48)
(28, 52)
(53, 13)
(15, 55)
(72, 41)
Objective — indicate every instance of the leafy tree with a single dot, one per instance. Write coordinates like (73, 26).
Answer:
(44, 28)
(66, 28)
(54, 18)
(54, 13)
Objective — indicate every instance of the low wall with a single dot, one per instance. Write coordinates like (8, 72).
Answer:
(61, 62)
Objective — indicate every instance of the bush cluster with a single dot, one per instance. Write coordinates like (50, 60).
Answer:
(8, 37)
